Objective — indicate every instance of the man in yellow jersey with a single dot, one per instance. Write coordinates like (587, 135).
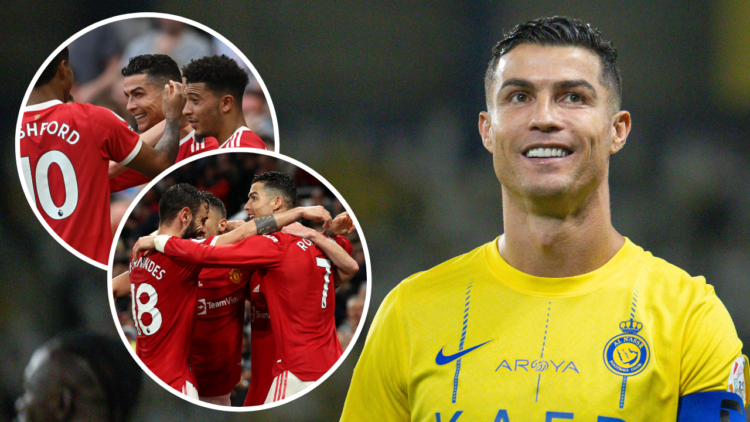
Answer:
(561, 317)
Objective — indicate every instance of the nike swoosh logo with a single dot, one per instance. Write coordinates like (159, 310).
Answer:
(441, 359)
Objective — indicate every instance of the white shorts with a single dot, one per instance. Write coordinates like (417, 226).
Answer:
(286, 384)
(219, 400)
(189, 390)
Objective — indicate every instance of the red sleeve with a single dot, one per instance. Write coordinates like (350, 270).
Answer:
(127, 180)
(116, 140)
(344, 243)
(250, 140)
(250, 254)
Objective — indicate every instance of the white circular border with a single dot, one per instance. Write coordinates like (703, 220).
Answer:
(272, 110)
(335, 365)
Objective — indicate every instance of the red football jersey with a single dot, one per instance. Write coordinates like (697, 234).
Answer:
(188, 148)
(262, 345)
(297, 278)
(65, 152)
(244, 138)
(216, 348)
(164, 292)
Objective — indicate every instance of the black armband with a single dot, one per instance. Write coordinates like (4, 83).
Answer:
(265, 225)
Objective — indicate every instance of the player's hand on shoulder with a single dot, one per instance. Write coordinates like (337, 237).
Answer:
(317, 213)
(297, 229)
(143, 244)
(342, 224)
(173, 100)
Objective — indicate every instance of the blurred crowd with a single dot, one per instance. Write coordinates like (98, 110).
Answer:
(229, 176)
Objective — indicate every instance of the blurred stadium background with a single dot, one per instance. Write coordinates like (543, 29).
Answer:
(382, 100)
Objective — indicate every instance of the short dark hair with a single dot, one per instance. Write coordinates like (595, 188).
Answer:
(178, 197)
(560, 31)
(221, 75)
(51, 69)
(216, 204)
(114, 368)
(159, 68)
(281, 183)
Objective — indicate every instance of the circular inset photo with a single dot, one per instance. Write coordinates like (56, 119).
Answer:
(120, 102)
(239, 280)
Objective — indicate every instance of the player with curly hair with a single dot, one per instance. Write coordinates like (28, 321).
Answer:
(214, 89)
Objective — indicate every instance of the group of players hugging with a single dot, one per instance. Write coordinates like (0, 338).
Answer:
(189, 296)
(190, 281)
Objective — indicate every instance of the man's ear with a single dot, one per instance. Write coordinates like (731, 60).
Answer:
(227, 102)
(185, 215)
(621, 129)
(278, 203)
(222, 225)
(485, 131)
(62, 70)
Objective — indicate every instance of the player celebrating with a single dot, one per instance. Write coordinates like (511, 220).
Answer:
(214, 88)
(164, 291)
(561, 317)
(296, 275)
(65, 152)
(144, 79)
(216, 345)
(262, 343)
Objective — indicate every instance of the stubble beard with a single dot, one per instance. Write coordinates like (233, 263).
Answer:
(192, 231)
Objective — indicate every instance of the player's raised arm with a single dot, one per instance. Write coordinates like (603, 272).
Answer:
(272, 223)
(152, 161)
(346, 266)
(121, 285)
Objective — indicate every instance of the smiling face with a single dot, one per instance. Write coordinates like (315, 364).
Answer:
(144, 101)
(260, 202)
(203, 110)
(550, 124)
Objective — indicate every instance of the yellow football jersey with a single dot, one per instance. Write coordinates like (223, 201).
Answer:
(474, 339)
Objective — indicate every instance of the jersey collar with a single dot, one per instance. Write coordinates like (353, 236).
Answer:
(42, 106)
(563, 286)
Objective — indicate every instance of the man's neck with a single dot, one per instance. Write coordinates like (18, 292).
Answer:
(569, 242)
(232, 122)
(43, 94)
(173, 229)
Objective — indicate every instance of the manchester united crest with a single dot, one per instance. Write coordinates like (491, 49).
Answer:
(235, 275)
